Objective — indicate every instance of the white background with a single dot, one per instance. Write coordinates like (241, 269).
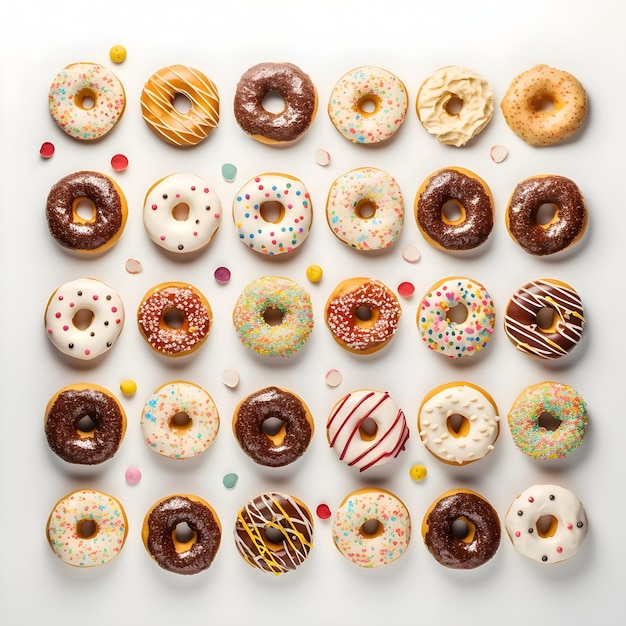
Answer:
(223, 40)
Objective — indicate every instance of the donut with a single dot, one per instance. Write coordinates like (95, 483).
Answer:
(461, 530)
(528, 329)
(104, 208)
(299, 99)
(566, 225)
(273, 316)
(86, 100)
(274, 532)
(182, 533)
(179, 420)
(273, 213)
(84, 424)
(174, 318)
(175, 124)
(362, 314)
(273, 426)
(544, 105)
(372, 527)
(87, 528)
(548, 420)
(368, 105)
(458, 422)
(466, 193)
(84, 318)
(182, 213)
(546, 523)
(365, 209)
(454, 104)
(438, 310)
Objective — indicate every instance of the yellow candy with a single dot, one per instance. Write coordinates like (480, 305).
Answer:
(128, 387)
(314, 273)
(117, 54)
(418, 472)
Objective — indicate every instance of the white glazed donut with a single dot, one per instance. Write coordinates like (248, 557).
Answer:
(179, 420)
(264, 232)
(563, 536)
(83, 318)
(181, 213)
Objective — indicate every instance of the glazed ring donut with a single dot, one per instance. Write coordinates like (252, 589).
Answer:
(167, 544)
(295, 88)
(362, 314)
(274, 532)
(174, 318)
(534, 335)
(368, 105)
(273, 316)
(366, 428)
(87, 528)
(179, 420)
(281, 440)
(182, 213)
(469, 194)
(454, 104)
(372, 527)
(84, 424)
(365, 209)
(92, 233)
(84, 318)
(525, 111)
(538, 403)
(86, 100)
(565, 532)
(165, 120)
(461, 529)
(438, 307)
(568, 222)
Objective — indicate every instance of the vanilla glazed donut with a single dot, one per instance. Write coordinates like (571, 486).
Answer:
(366, 428)
(368, 105)
(91, 234)
(365, 209)
(470, 194)
(567, 224)
(372, 527)
(273, 316)
(565, 532)
(295, 88)
(84, 318)
(179, 420)
(529, 334)
(182, 213)
(274, 532)
(84, 424)
(478, 426)
(86, 100)
(446, 90)
(178, 128)
(87, 528)
(257, 226)
(182, 555)
(544, 105)
(449, 338)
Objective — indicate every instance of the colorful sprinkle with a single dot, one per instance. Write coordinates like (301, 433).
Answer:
(46, 150)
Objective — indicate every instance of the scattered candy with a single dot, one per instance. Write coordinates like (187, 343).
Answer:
(46, 150)
(119, 162)
(418, 472)
(406, 289)
(498, 154)
(411, 254)
(133, 266)
(230, 378)
(133, 475)
(128, 387)
(323, 511)
(322, 157)
(222, 275)
(230, 480)
(333, 378)
(314, 273)
(229, 172)
(117, 54)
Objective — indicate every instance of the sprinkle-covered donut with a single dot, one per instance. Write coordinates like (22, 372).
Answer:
(84, 318)
(365, 209)
(274, 532)
(372, 527)
(182, 213)
(86, 100)
(273, 213)
(87, 528)
(566, 521)
(368, 104)
(84, 424)
(533, 334)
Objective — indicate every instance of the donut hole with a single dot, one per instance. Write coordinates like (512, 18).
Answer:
(273, 316)
(368, 429)
(272, 211)
(174, 318)
(365, 316)
(546, 525)
(83, 211)
(547, 214)
(456, 314)
(546, 319)
(365, 209)
(180, 422)
(273, 102)
(181, 211)
(462, 529)
(453, 212)
(454, 105)
(85, 99)
(183, 537)
(458, 425)
(273, 537)
(181, 103)
(275, 428)
(85, 426)
(83, 318)
(368, 104)
(548, 421)
(87, 528)
(542, 103)
(371, 528)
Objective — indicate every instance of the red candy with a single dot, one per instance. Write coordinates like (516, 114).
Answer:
(119, 162)
(323, 511)
(46, 150)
